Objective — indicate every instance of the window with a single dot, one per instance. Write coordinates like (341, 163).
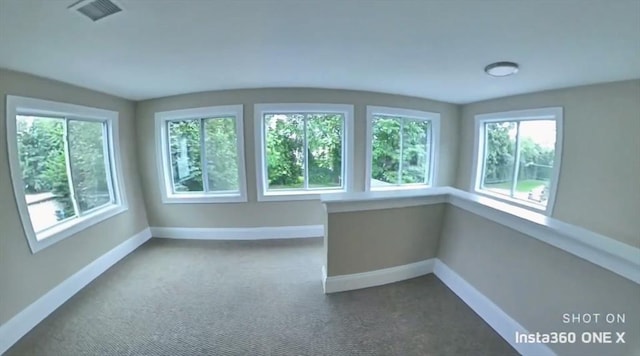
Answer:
(518, 156)
(303, 149)
(202, 153)
(401, 148)
(63, 167)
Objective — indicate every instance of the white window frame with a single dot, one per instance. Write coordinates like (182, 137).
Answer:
(163, 157)
(549, 113)
(17, 105)
(433, 117)
(299, 108)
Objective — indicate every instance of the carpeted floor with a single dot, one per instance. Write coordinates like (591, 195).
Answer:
(173, 297)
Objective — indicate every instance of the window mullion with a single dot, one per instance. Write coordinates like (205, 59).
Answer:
(263, 154)
(72, 191)
(401, 151)
(203, 159)
(516, 164)
(343, 168)
(485, 154)
(107, 162)
(427, 166)
(304, 154)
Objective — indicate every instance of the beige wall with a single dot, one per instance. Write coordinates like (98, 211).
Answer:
(364, 241)
(254, 213)
(536, 283)
(24, 277)
(600, 173)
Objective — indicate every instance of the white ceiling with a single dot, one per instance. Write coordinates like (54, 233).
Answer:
(435, 49)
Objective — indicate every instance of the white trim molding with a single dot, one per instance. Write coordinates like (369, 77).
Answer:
(246, 233)
(491, 313)
(16, 106)
(24, 321)
(163, 158)
(433, 149)
(261, 165)
(500, 321)
(386, 199)
(333, 284)
(606, 252)
(479, 149)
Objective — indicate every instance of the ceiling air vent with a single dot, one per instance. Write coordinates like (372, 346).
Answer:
(96, 9)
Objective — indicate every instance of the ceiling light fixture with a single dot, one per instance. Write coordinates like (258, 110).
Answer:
(501, 69)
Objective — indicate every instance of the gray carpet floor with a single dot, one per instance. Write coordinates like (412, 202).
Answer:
(173, 297)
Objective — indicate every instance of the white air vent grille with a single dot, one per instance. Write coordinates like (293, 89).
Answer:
(96, 9)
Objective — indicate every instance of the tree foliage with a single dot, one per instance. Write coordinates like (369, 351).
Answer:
(400, 154)
(43, 160)
(285, 150)
(535, 160)
(220, 154)
(400, 150)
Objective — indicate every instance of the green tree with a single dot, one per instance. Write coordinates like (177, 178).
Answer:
(40, 142)
(184, 141)
(41, 153)
(500, 152)
(221, 154)
(87, 163)
(285, 145)
(400, 150)
(386, 149)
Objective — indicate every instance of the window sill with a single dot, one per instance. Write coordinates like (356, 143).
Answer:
(60, 232)
(542, 209)
(400, 187)
(298, 194)
(204, 198)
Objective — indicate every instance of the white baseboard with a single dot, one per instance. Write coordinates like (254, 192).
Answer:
(243, 233)
(500, 321)
(23, 322)
(324, 279)
(379, 277)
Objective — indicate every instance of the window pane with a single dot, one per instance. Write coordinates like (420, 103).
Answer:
(324, 142)
(385, 157)
(221, 153)
(184, 140)
(500, 147)
(415, 159)
(88, 167)
(537, 151)
(44, 170)
(285, 146)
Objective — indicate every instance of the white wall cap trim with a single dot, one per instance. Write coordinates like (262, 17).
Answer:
(346, 198)
(333, 284)
(598, 249)
(21, 323)
(247, 233)
(375, 200)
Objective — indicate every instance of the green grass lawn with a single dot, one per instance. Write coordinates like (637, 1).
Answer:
(523, 186)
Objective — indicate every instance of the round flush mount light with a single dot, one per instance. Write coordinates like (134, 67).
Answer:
(501, 69)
